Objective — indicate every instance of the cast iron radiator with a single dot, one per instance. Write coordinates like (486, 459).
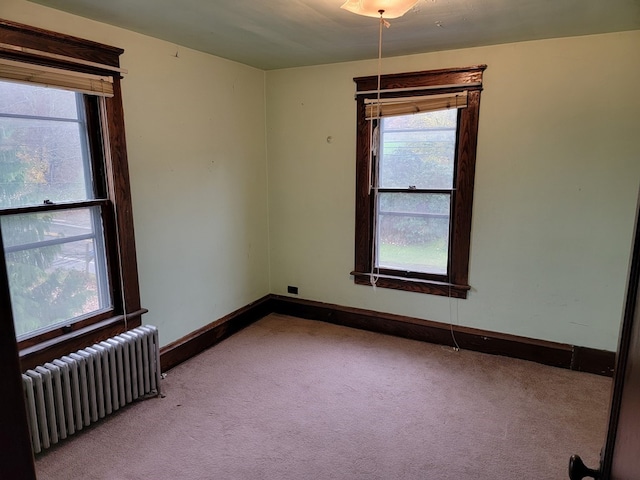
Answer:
(80, 388)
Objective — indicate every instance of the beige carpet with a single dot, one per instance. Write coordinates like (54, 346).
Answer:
(297, 399)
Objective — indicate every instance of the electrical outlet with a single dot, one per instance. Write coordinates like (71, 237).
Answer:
(293, 290)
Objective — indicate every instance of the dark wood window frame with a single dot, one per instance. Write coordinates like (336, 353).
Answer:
(434, 82)
(76, 54)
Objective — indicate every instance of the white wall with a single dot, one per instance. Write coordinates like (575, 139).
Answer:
(196, 145)
(558, 170)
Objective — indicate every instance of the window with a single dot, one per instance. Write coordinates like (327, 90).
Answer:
(65, 206)
(56, 258)
(416, 143)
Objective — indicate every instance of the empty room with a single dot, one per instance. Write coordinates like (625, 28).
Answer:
(319, 239)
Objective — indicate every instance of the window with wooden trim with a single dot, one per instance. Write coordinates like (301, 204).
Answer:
(65, 207)
(416, 151)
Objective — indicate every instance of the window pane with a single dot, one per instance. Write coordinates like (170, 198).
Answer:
(418, 150)
(56, 266)
(42, 158)
(413, 232)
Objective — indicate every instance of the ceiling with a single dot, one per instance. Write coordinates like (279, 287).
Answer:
(273, 34)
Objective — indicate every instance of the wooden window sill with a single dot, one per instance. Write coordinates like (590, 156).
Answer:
(417, 285)
(56, 347)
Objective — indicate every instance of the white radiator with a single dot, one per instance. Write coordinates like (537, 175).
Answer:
(78, 389)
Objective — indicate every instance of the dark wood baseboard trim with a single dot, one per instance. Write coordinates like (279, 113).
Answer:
(583, 359)
(600, 362)
(213, 333)
(549, 353)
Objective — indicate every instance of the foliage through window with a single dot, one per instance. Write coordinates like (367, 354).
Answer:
(416, 160)
(56, 259)
(414, 180)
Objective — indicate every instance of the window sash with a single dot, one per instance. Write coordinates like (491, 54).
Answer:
(407, 249)
(72, 252)
(83, 154)
(409, 145)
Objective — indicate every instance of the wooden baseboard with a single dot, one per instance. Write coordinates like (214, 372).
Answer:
(562, 355)
(209, 335)
(600, 362)
(549, 353)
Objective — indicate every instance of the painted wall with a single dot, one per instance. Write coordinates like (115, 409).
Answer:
(556, 184)
(558, 170)
(196, 145)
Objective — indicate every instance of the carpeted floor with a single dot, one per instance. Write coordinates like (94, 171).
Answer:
(296, 399)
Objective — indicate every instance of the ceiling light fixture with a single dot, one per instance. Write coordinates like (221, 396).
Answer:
(372, 8)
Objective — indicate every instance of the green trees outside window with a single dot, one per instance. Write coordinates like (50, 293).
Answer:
(55, 256)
